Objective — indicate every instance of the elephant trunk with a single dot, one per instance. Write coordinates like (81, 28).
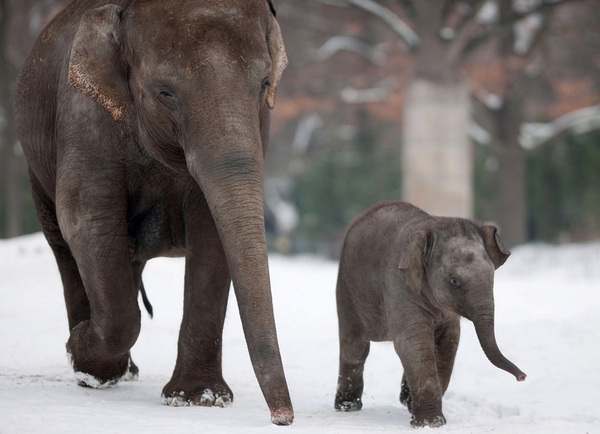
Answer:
(230, 174)
(484, 327)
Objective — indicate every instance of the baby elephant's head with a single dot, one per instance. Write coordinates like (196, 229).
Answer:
(451, 262)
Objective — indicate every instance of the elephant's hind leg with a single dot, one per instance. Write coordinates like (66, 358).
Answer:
(198, 378)
(405, 398)
(353, 353)
(76, 300)
(354, 349)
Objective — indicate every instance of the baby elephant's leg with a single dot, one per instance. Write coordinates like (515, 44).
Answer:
(353, 353)
(422, 391)
(447, 338)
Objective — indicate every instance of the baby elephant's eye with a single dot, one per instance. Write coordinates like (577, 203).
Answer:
(455, 283)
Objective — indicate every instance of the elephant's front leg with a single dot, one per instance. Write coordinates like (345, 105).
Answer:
(447, 338)
(415, 345)
(99, 345)
(197, 378)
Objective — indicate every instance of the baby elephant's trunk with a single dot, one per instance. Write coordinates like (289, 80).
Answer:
(487, 339)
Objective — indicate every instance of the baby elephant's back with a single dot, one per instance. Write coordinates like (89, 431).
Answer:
(374, 235)
(371, 246)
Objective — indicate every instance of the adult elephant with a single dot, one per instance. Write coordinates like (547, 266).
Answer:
(144, 124)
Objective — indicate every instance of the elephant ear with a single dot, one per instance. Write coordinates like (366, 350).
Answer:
(279, 60)
(494, 246)
(413, 259)
(95, 66)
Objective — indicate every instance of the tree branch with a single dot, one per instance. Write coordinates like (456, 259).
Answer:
(337, 43)
(393, 21)
(578, 122)
(538, 37)
(464, 32)
(505, 25)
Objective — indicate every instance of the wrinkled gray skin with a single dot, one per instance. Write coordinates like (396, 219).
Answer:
(144, 124)
(407, 277)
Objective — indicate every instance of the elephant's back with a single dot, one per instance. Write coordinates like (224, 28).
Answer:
(379, 225)
(366, 261)
(36, 95)
(373, 241)
(41, 80)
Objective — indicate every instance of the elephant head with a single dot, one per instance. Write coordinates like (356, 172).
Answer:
(451, 262)
(193, 83)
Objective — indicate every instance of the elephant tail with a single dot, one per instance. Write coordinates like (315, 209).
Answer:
(147, 303)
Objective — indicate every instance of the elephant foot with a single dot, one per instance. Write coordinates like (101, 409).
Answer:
(432, 422)
(428, 413)
(95, 381)
(405, 398)
(174, 394)
(283, 416)
(93, 364)
(133, 372)
(346, 402)
(206, 398)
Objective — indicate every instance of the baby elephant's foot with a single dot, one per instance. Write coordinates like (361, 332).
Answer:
(433, 422)
(217, 395)
(428, 414)
(347, 402)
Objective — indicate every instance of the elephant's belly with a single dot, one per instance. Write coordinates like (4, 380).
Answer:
(153, 233)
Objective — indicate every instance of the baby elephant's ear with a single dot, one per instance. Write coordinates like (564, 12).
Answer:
(413, 259)
(95, 66)
(494, 246)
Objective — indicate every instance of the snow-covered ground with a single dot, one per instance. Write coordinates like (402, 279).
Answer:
(548, 323)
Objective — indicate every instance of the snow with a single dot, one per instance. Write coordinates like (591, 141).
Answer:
(547, 301)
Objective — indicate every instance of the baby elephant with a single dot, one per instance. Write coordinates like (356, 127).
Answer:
(407, 277)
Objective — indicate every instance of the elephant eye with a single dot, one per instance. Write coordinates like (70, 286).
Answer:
(455, 283)
(165, 94)
(167, 98)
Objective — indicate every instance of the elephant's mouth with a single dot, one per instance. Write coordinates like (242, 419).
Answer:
(466, 315)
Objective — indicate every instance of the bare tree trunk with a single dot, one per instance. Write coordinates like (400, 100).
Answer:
(437, 158)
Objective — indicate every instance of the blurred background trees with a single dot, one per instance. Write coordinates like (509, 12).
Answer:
(472, 96)
(481, 108)
(20, 23)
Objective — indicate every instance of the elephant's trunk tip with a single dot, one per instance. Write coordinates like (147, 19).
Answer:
(512, 369)
(282, 416)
